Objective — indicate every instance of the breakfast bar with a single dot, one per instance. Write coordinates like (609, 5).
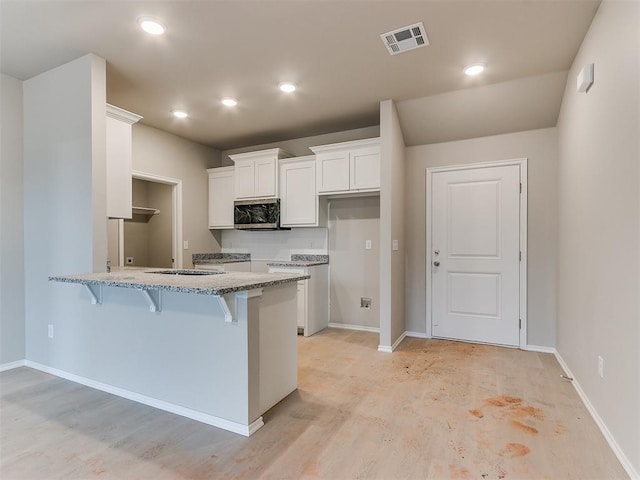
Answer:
(218, 347)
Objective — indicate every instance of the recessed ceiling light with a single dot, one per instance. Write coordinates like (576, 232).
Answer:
(180, 114)
(287, 87)
(229, 102)
(475, 69)
(151, 26)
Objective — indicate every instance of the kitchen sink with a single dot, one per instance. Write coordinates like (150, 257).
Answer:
(186, 272)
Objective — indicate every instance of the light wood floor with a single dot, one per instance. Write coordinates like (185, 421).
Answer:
(433, 409)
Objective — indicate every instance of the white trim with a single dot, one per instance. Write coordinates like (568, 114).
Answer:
(225, 424)
(121, 242)
(122, 114)
(626, 464)
(539, 348)
(345, 326)
(522, 163)
(176, 250)
(416, 335)
(385, 349)
(523, 250)
(11, 365)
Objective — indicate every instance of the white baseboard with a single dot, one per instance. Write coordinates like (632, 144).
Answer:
(385, 349)
(11, 365)
(626, 464)
(417, 335)
(234, 427)
(538, 348)
(346, 326)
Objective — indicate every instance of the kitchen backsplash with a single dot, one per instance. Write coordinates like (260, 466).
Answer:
(276, 245)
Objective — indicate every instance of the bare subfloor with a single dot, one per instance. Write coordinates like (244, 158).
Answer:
(433, 409)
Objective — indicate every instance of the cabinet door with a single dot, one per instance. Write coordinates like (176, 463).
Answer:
(265, 177)
(119, 166)
(244, 178)
(365, 169)
(237, 267)
(332, 172)
(299, 201)
(221, 196)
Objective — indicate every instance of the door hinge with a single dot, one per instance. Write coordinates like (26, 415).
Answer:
(520, 324)
(520, 256)
(520, 187)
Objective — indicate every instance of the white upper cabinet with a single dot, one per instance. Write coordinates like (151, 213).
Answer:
(348, 167)
(221, 196)
(256, 173)
(299, 203)
(333, 171)
(119, 161)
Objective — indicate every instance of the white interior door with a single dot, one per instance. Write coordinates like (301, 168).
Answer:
(475, 257)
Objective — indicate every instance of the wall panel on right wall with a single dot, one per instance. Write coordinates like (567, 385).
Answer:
(540, 147)
(599, 223)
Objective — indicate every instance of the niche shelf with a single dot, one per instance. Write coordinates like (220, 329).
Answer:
(145, 211)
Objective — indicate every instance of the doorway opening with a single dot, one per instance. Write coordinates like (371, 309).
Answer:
(153, 236)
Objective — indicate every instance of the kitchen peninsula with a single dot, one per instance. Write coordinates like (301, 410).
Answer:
(216, 347)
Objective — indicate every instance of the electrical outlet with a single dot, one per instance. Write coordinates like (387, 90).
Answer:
(50, 330)
(129, 260)
(365, 303)
(367, 244)
(600, 366)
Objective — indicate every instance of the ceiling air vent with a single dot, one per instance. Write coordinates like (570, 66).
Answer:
(405, 38)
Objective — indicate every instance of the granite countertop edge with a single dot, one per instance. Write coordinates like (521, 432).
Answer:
(295, 263)
(219, 258)
(219, 261)
(241, 284)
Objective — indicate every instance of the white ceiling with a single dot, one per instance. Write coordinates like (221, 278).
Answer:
(331, 49)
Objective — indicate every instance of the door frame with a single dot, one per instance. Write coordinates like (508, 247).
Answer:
(176, 241)
(522, 163)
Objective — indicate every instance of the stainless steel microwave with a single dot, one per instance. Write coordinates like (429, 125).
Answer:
(257, 214)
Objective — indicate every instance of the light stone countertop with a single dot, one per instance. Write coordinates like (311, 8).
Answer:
(301, 260)
(219, 258)
(216, 284)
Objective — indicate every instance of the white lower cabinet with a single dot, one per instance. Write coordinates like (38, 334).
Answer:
(221, 197)
(313, 296)
(225, 267)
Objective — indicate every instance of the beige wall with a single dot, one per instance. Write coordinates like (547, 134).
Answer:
(161, 226)
(599, 220)
(354, 271)
(392, 218)
(160, 153)
(136, 229)
(12, 332)
(540, 147)
(65, 212)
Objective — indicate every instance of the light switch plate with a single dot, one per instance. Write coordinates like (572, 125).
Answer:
(394, 245)
(367, 244)
(186, 244)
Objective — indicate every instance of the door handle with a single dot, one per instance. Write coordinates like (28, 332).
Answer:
(436, 264)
